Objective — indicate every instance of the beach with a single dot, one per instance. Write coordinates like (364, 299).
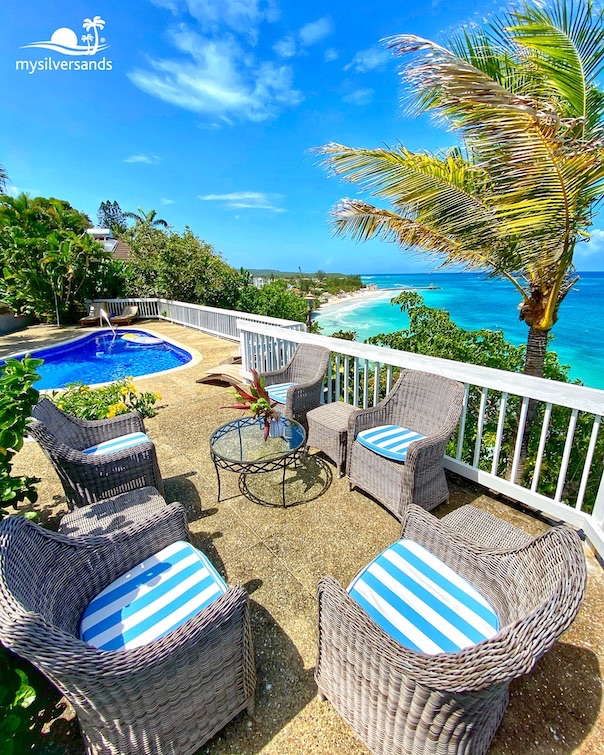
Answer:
(474, 303)
(361, 295)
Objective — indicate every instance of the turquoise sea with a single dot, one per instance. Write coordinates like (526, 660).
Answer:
(478, 303)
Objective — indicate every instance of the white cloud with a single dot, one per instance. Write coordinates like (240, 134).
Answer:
(147, 159)
(252, 200)
(218, 79)
(594, 246)
(359, 97)
(368, 60)
(314, 32)
(242, 16)
(286, 47)
(165, 201)
(331, 54)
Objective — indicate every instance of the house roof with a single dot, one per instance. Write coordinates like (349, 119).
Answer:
(121, 251)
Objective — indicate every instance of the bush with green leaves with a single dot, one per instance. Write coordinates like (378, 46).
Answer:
(105, 402)
(17, 399)
(17, 696)
(50, 264)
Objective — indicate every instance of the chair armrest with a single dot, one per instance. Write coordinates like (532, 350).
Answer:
(139, 451)
(276, 376)
(363, 419)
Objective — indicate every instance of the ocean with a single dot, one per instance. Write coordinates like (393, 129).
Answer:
(475, 302)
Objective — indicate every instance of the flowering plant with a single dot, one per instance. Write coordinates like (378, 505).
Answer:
(105, 402)
(256, 399)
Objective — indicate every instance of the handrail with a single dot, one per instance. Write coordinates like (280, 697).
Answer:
(361, 374)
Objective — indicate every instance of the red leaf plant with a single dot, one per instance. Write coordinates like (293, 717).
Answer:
(256, 400)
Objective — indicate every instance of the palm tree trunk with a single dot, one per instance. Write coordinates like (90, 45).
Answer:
(536, 346)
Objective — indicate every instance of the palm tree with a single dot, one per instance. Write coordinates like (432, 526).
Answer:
(95, 24)
(144, 219)
(520, 193)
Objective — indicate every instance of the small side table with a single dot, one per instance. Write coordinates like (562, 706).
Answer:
(328, 431)
(112, 514)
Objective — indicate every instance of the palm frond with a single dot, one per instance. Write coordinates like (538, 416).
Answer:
(442, 191)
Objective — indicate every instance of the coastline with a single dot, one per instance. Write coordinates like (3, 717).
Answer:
(356, 296)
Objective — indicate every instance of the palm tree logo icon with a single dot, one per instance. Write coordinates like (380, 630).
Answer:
(96, 23)
(66, 41)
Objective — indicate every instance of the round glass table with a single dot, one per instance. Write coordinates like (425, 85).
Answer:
(239, 446)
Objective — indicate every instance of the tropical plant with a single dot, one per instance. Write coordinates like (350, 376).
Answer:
(17, 399)
(106, 402)
(146, 219)
(256, 399)
(50, 264)
(3, 179)
(521, 92)
(274, 299)
(179, 266)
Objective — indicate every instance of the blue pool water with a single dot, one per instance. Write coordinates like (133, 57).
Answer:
(102, 357)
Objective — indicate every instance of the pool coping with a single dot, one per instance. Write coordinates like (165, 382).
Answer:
(196, 356)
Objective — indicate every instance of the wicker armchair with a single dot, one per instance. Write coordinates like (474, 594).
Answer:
(403, 702)
(167, 697)
(85, 478)
(422, 402)
(307, 370)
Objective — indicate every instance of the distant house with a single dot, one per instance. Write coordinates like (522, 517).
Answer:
(118, 248)
(258, 282)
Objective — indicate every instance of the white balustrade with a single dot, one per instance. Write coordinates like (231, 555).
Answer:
(218, 322)
(566, 481)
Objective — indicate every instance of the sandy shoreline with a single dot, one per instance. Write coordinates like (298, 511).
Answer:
(359, 295)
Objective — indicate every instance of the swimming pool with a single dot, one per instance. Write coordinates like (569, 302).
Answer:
(102, 357)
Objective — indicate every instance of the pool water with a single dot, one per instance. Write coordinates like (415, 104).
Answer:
(102, 357)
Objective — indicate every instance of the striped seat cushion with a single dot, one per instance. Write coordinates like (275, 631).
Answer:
(278, 392)
(391, 441)
(152, 599)
(117, 444)
(421, 602)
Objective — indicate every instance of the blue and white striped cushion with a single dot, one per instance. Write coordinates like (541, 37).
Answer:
(278, 392)
(152, 599)
(421, 602)
(117, 444)
(391, 441)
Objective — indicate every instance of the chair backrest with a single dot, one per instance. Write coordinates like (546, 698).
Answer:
(308, 363)
(56, 425)
(425, 402)
(129, 310)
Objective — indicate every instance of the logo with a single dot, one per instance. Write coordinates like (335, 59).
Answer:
(66, 41)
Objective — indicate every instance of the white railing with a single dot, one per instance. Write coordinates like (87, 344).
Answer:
(563, 478)
(218, 322)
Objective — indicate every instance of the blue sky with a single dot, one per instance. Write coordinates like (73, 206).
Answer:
(209, 112)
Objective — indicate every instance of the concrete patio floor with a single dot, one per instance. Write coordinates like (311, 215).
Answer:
(280, 555)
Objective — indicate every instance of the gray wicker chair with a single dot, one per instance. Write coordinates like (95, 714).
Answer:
(165, 698)
(87, 479)
(426, 403)
(402, 702)
(307, 369)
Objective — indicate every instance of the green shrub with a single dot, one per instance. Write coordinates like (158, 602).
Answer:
(81, 401)
(17, 399)
(16, 698)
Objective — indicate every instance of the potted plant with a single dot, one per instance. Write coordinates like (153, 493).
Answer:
(256, 399)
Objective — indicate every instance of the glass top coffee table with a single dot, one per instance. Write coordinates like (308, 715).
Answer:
(239, 446)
